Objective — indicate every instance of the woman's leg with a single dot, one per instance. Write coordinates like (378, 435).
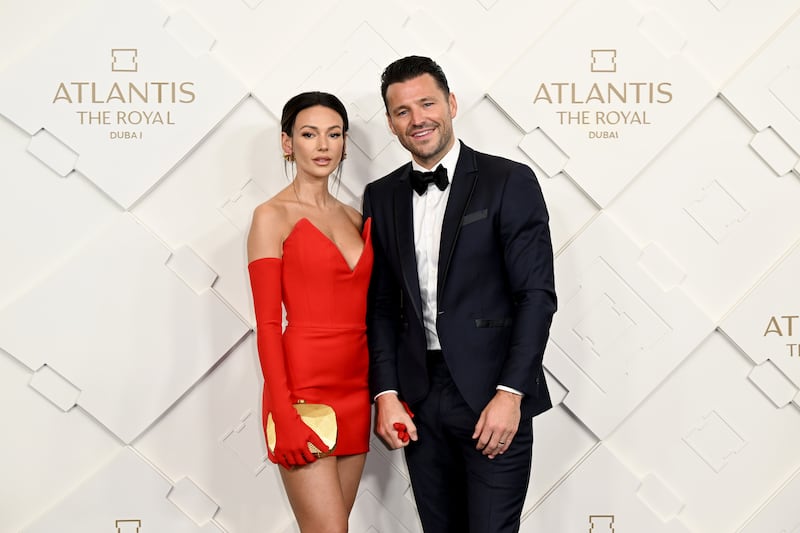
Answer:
(350, 469)
(315, 493)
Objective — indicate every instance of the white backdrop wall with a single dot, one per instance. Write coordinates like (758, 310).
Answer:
(137, 136)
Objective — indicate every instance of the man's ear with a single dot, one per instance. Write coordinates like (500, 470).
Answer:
(453, 105)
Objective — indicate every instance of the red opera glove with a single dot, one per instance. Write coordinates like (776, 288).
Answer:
(292, 434)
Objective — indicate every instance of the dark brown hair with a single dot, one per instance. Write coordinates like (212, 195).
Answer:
(310, 99)
(409, 68)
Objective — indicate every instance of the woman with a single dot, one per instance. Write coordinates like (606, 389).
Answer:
(308, 250)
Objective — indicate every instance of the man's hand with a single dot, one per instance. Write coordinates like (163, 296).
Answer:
(391, 416)
(498, 424)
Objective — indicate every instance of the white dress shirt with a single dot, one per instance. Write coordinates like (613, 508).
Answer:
(428, 211)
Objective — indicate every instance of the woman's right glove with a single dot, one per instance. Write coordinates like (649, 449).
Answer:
(292, 434)
(292, 437)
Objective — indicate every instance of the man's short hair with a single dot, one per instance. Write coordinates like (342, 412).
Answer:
(409, 68)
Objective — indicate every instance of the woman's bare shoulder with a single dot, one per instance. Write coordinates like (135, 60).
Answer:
(270, 212)
(353, 214)
(268, 229)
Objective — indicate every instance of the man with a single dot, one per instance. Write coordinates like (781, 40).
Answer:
(460, 305)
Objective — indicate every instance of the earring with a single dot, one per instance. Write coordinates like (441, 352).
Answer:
(288, 157)
(344, 156)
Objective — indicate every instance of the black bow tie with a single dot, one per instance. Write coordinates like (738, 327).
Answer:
(421, 180)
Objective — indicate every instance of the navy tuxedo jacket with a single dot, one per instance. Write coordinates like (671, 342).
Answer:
(496, 294)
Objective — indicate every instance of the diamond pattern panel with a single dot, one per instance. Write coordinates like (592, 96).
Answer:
(130, 101)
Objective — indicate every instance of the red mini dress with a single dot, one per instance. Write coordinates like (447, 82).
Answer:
(324, 343)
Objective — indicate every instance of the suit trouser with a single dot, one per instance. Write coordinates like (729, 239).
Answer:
(456, 487)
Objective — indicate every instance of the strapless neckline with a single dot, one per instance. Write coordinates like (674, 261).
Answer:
(364, 236)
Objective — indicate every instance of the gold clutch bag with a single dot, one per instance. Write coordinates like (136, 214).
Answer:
(319, 417)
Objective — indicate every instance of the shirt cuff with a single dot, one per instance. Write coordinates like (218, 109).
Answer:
(384, 392)
(504, 388)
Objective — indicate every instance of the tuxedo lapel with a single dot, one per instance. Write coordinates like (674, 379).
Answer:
(404, 232)
(463, 184)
